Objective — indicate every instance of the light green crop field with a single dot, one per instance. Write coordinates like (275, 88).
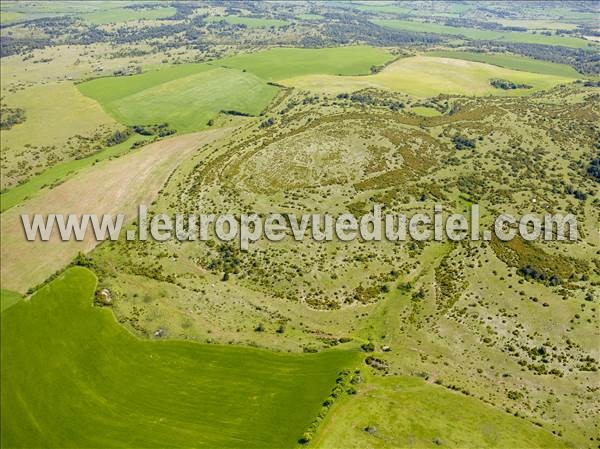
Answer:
(72, 377)
(116, 15)
(409, 413)
(508, 61)
(184, 96)
(250, 22)
(472, 33)
(8, 298)
(425, 76)
(280, 63)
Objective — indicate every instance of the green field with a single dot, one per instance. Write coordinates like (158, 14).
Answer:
(473, 33)
(72, 377)
(250, 22)
(116, 15)
(407, 412)
(188, 95)
(185, 96)
(425, 76)
(514, 62)
(280, 63)
(8, 298)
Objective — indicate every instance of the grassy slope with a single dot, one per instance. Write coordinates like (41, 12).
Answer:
(185, 96)
(63, 113)
(60, 172)
(81, 380)
(428, 76)
(473, 33)
(280, 63)
(511, 62)
(409, 413)
(132, 179)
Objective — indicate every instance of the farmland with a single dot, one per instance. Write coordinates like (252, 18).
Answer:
(147, 394)
(186, 101)
(510, 36)
(511, 62)
(428, 76)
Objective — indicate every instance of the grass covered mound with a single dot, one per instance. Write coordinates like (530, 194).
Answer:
(72, 377)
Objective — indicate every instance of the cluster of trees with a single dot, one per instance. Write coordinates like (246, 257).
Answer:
(462, 142)
(594, 169)
(372, 100)
(507, 85)
(162, 130)
(10, 117)
(583, 60)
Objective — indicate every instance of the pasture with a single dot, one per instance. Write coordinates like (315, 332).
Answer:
(479, 34)
(46, 135)
(425, 76)
(509, 61)
(281, 63)
(411, 413)
(81, 380)
(185, 97)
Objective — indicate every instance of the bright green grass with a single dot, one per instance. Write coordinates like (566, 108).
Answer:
(60, 172)
(116, 15)
(425, 111)
(281, 63)
(250, 22)
(473, 33)
(72, 377)
(8, 298)
(185, 96)
(409, 413)
(511, 62)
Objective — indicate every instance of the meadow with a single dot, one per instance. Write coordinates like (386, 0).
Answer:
(48, 134)
(187, 96)
(81, 380)
(185, 101)
(409, 412)
(425, 76)
(478, 34)
(280, 63)
(509, 61)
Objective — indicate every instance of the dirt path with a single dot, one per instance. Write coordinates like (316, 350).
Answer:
(115, 186)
